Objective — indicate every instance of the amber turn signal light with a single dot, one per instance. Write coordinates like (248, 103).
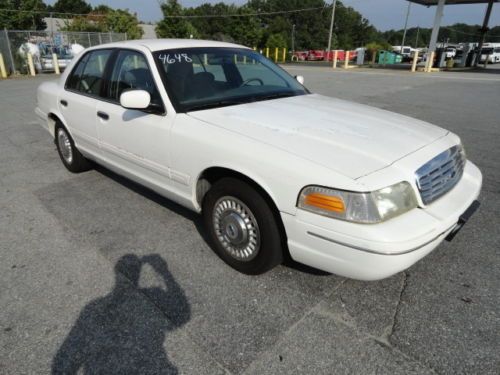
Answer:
(325, 202)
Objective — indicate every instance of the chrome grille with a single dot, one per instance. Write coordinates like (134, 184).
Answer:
(440, 174)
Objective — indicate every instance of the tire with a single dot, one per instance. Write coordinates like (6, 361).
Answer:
(72, 159)
(242, 227)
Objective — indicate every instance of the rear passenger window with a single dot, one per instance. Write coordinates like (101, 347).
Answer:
(92, 76)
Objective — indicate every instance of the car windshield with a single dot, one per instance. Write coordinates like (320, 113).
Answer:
(203, 78)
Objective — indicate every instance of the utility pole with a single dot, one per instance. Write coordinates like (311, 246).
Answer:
(406, 26)
(334, 4)
(293, 38)
(484, 30)
(416, 39)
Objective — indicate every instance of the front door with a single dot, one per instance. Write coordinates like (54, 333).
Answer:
(135, 141)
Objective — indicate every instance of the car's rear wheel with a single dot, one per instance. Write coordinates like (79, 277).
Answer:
(242, 226)
(72, 159)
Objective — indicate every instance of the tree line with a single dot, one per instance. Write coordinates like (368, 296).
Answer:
(30, 14)
(255, 23)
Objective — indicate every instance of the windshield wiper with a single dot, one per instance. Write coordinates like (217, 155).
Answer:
(220, 103)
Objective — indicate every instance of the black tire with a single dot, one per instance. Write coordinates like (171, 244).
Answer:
(269, 251)
(77, 162)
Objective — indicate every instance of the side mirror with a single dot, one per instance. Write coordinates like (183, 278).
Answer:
(135, 99)
(300, 79)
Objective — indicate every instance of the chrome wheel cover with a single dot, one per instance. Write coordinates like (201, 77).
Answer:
(65, 146)
(236, 228)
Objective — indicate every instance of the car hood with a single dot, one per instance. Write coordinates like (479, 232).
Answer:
(350, 138)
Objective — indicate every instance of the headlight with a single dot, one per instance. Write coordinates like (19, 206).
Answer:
(367, 208)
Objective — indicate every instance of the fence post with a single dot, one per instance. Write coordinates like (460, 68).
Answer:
(12, 64)
(30, 64)
(3, 73)
(335, 56)
(88, 36)
(414, 64)
(100, 38)
(346, 62)
(55, 62)
(110, 37)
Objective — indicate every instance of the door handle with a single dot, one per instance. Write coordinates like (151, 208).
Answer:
(103, 115)
(63, 102)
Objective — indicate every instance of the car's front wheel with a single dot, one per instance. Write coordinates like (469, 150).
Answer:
(72, 159)
(242, 226)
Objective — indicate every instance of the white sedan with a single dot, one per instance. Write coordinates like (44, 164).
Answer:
(275, 169)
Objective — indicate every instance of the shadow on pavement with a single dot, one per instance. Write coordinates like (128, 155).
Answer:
(123, 332)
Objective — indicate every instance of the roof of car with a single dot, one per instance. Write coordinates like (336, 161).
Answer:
(161, 44)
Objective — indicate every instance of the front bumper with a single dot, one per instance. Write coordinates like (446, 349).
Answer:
(372, 252)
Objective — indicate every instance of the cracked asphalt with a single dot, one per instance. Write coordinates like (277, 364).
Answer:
(100, 275)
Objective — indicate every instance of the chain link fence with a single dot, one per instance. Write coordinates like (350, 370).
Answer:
(15, 45)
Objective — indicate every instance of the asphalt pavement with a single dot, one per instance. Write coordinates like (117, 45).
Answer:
(100, 275)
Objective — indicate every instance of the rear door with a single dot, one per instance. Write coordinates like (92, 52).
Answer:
(78, 101)
(136, 141)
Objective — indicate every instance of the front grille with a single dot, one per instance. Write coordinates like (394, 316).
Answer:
(440, 174)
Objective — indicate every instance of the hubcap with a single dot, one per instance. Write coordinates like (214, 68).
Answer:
(65, 146)
(236, 228)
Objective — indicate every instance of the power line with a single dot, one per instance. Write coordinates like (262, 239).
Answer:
(249, 14)
(177, 16)
(48, 13)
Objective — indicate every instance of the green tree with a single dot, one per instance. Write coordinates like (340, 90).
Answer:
(25, 17)
(174, 27)
(71, 6)
(276, 40)
(106, 19)
(122, 21)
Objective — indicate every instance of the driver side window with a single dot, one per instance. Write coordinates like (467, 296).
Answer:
(131, 71)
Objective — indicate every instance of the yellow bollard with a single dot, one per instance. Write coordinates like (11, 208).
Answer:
(334, 60)
(414, 63)
(276, 55)
(346, 62)
(255, 48)
(31, 66)
(205, 59)
(55, 62)
(3, 72)
(267, 52)
(430, 63)
(284, 55)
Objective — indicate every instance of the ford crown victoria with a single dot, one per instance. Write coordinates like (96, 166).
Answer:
(274, 169)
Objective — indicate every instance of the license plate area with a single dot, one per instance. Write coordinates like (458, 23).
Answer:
(463, 219)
